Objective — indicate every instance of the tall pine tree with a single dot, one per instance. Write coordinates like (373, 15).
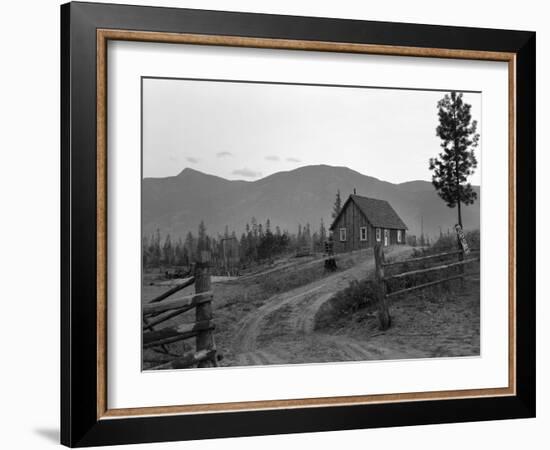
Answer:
(167, 258)
(322, 232)
(155, 251)
(203, 242)
(337, 205)
(452, 167)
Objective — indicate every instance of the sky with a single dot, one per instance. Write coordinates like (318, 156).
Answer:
(248, 131)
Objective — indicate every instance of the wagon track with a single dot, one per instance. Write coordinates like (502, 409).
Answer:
(295, 312)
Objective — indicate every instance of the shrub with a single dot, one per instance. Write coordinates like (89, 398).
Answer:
(448, 242)
(357, 295)
(445, 242)
(472, 237)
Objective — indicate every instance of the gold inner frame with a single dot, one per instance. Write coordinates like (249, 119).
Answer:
(104, 35)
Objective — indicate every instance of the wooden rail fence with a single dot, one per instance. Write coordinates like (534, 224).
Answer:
(165, 307)
(381, 278)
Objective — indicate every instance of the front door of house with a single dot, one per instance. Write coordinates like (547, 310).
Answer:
(386, 238)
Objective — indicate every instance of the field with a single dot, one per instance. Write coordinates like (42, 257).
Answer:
(293, 311)
(429, 324)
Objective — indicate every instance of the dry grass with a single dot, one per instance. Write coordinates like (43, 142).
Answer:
(436, 322)
(235, 299)
(443, 320)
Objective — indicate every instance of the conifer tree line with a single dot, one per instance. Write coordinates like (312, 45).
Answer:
(258, 242)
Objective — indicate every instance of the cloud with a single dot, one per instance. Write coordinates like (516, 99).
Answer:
(223, 154)
(247, 173)
(192, 159)
(293, 160)
(272, 158)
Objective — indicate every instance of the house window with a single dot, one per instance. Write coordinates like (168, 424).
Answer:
(378, 235)
(343, 236)
(363, 233)
(399, 236)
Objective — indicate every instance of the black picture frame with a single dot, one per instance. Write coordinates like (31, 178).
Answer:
(80, 425)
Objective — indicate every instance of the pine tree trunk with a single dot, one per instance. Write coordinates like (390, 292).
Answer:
(457, 179)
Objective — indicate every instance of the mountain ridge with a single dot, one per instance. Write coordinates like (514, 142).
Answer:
(177, 204)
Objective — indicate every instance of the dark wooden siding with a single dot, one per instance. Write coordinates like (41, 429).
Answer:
(352, 219)
(393, 237)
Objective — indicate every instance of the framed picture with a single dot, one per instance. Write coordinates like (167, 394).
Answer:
(277, 224)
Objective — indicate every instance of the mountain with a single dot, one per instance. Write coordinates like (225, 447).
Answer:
(177, 204)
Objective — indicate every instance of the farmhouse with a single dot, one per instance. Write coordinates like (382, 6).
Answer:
(363, 222)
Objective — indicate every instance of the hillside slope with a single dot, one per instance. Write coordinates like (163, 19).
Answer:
(177, 204)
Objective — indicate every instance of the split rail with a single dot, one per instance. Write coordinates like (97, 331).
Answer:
(383, 279)
(166, 307)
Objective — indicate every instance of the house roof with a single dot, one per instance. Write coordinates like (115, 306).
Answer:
(378, 212)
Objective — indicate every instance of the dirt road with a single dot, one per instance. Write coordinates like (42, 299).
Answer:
(282, 330)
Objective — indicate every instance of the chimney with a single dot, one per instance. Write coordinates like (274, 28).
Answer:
(354, 191)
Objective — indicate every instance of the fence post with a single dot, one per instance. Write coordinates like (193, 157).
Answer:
(204, 339)
(383, 307)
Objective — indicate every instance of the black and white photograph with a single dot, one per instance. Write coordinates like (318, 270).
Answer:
(295, 224)
(280, 224)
